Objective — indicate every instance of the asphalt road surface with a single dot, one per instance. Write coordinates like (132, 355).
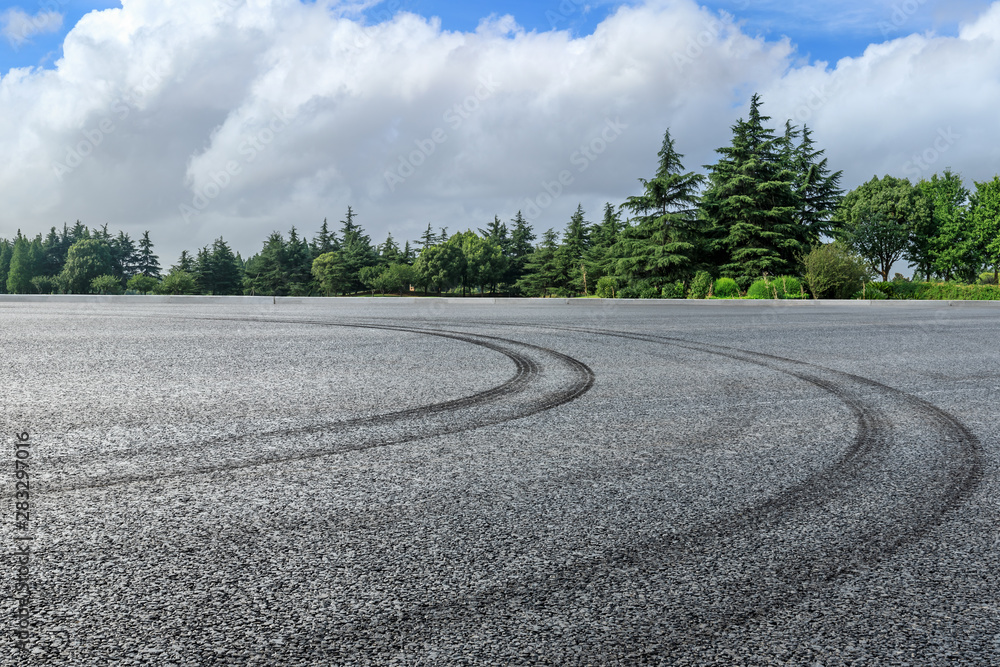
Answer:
(397, 482)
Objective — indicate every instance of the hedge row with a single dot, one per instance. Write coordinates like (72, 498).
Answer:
(938, 291)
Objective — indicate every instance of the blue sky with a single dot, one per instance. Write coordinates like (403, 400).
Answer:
(821, 29)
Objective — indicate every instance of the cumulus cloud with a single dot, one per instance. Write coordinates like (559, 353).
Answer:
(18, 26)
(198, 119)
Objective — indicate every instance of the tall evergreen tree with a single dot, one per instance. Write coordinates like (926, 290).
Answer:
(428, 238)
(816, 186)
(571, 253)
(6, 253)
(54, 249)
(267, 272)
(184, 263)
(665, 241)
(325, 241)
(357, 250)
(124, 256)
(298, 266)
(388, 252)
(22, 267)
(751, 204)
(223, 274)
(521, 247)
(497, 232)
(78, 233)
(603, 236)
(541, 270)
(147, 264)
(201, 270)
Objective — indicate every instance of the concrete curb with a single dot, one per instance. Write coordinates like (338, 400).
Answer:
(475, 301)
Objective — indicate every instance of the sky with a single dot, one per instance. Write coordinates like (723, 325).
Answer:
(196, 119)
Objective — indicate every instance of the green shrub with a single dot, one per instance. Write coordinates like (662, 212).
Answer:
(899, 289)
(959, 292)
(607, 287)
(701, 286)
(988, 278)
(789, 287)
(177, 282)
(726, 288)
(833, 271)
(44, 284)
(870, 292)
(782, 287)
(105, 284)
(640, 289)
(142, 284)
(672, 291)
(762, 289)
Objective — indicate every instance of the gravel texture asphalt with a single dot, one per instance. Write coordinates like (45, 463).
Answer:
(382, 482)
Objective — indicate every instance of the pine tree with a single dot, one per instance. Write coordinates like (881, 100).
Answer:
(201, 270)
(357, 250)
(22, 268)
(603, 236)
(298, 264)
(148, 263)
(541, 269)
(570, 255)
(224, 274)
(817, 188)
(521, 237)
(325, 241)
(751, 204)
(78, 233)
(428, 238)
(6, 253)
(665, 242)
(54, 251)
(184, 263)
(124, 257)
(267, 272)
(496, 232)
(388, 252)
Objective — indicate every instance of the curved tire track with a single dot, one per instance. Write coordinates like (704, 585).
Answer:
(416, 423)
(761, 587)
(804, 572)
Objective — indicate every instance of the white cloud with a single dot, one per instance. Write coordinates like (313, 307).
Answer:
(197, 119)
(18, 26)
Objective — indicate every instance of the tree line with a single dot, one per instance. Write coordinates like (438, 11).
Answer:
(766, 206)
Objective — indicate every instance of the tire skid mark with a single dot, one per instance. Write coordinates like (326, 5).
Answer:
(803, 573)
(528, 372)
(800, 572)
